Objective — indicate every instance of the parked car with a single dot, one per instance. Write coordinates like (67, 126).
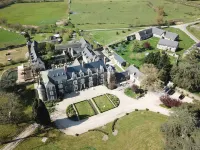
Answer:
(170, 91)
(181, 97)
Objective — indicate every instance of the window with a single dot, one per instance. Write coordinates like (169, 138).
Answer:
(51, 93)
(52, 98)
(60, 86)
(75, 82)
(90, 78)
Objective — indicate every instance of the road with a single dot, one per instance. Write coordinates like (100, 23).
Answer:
(28, 131)
(183, 27)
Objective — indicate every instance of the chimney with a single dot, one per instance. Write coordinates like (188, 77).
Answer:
(104, 60)
(82, 63)
(52, 66)
(65, 67)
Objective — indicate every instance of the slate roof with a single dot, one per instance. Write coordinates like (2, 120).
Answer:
(33, 54)
(121, 76)
(144, 32)
(133, 70)
(59, 74)
(89, 54)
(169, 43)
(119, 58)
(171, 35)
(157, 31)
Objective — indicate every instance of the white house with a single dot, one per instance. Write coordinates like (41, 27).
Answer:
(119, 60)
(135, 74)
(157, 32)
(167, 45)
(170, 36)
(144, 34)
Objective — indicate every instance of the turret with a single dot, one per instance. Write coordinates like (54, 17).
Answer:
(41, 92)
(110, 74)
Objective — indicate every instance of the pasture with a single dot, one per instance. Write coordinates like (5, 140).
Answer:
(10, 38)
(92, 14)
(15, 54)
(139, 130)
(35, 13)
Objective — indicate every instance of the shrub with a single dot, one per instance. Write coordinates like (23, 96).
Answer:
(134, 88)
(147, 45)
(147, 109)
(136, 109)
(170, 102)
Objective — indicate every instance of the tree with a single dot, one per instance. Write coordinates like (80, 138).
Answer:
(181, 131)
(150, 80)
(40, 113)
(170, 102)
(187, 75)
(11, 111)
(147, 45)
(137, 47)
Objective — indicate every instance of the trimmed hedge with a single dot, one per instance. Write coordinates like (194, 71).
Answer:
(71, 113)
(114, 99)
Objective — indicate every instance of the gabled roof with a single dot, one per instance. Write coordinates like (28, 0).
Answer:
(171, 35)
(157, 31)
(168, 43)
(133, 70)
(119, 58)
(146, 31)
(59, 74)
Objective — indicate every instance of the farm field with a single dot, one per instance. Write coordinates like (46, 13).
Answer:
(84, 109)
(15, 54)
(103, 103)
(106, 37)
(139, 130)
(35, 13)
(92, 14)
(10, 38)
(195, 30)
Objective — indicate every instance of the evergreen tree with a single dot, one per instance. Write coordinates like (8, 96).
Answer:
(40, 113)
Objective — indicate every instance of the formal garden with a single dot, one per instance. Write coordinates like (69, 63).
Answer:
(94, 106)
(134, 92)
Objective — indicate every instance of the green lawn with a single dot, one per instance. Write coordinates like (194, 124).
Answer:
(35, 13)
(92, 14)
(107, 37)
(136, 58)
(185, 41)
(138, 131)
(103, 103)
(130, 93)
(10, 38)
(118, 68)
(84, 109)
(194, 31)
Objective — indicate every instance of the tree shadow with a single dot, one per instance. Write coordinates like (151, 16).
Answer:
(71, 95)
(66, 122)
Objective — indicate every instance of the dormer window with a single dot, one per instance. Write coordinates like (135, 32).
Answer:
(89, 72)
(58, 74)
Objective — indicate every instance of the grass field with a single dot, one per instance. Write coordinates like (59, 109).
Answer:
(10, 38)
(92, 14)
(194, 31)
(103, 103)
(15, 54)
(35, 13)
(107, 37)
(137, 131)
(84, 109)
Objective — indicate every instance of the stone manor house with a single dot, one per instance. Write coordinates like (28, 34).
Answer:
(86, 69)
